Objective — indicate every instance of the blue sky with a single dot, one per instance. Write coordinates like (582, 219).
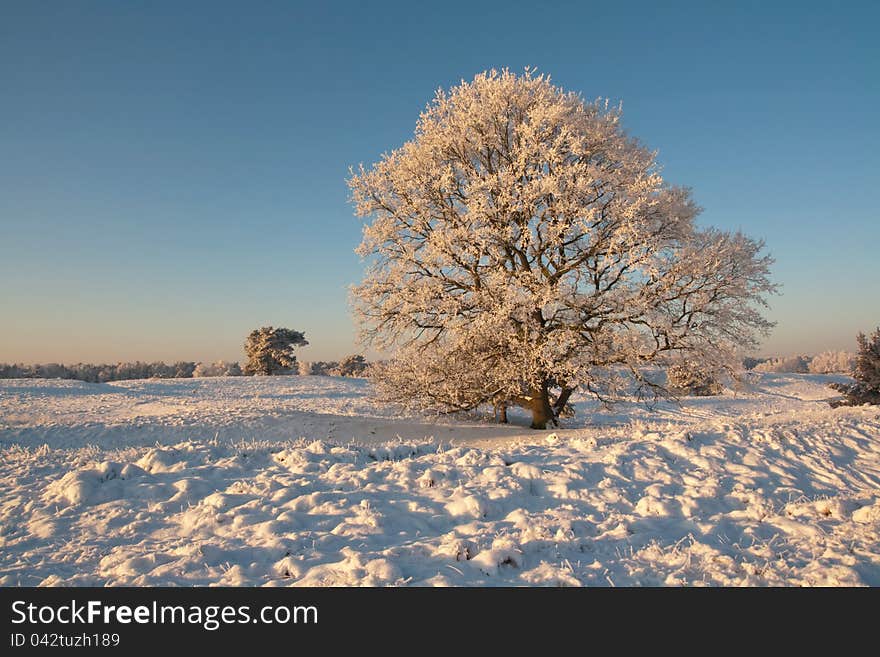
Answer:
(173, 174)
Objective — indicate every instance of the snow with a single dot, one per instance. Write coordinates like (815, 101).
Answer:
(283, 481)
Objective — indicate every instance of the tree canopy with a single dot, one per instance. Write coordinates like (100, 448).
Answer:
(271, 350)
(523, 246)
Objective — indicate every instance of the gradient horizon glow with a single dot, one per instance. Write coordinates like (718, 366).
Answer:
(174, 174)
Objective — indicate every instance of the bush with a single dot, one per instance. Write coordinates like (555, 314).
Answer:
(688, 377)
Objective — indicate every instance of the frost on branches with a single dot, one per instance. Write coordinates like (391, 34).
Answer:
(522, 246)
(688, 377)
(271, 350)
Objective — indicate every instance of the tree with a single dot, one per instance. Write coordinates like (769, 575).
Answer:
(866, 389)
(522, 246)
(270, 350)
(354, 365)
(828, 362)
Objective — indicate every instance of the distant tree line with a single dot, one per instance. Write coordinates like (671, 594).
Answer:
(354, 365)
(827, 362)
(269, 351)
(99, 373)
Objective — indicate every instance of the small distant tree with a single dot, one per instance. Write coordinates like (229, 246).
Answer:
(354, 365)
(688, 377)
(866, 389)
(271, 350)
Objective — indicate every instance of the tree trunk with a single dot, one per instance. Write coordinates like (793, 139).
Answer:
(501, 413)
(542, 412)
(559, 406)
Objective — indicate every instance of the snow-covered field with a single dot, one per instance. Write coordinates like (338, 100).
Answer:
(305, 480)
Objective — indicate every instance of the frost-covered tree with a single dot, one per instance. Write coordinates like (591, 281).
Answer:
(866, 389)
(271, 350)
(354, 365)
(523, 246)
(689, 377)
(833, 362)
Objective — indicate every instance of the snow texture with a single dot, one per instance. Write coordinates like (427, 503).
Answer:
(283, 481)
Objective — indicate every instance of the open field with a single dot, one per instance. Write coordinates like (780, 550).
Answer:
(306, 480)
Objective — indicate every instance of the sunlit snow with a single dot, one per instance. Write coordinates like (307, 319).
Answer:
(305, 480)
